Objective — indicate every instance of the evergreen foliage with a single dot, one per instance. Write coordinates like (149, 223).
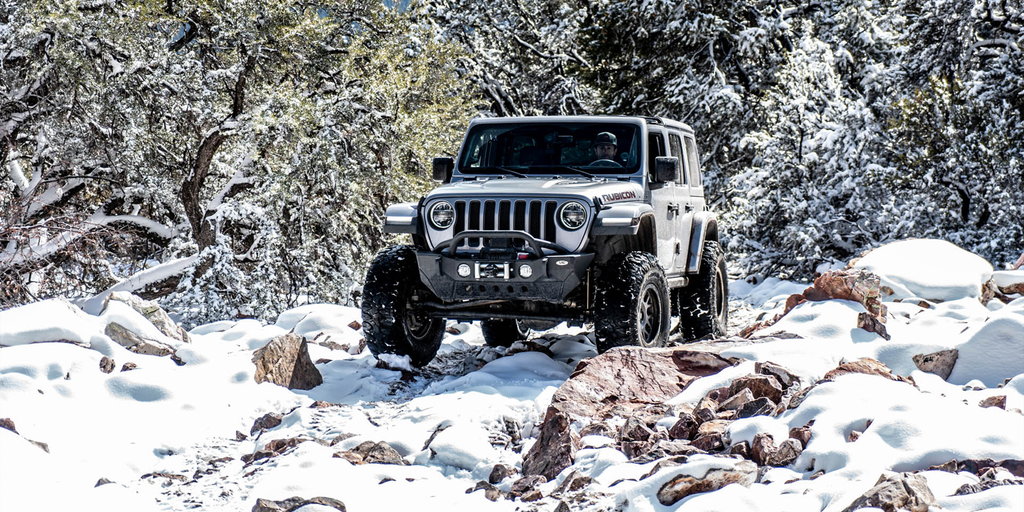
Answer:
(263, 142)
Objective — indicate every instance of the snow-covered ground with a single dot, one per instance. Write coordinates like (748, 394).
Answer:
(165, 434)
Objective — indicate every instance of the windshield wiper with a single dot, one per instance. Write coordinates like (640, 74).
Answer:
(504, 170)
(576, 170)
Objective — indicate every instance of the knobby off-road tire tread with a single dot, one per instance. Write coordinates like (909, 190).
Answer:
(389, 282)
(698, 300)
(502, 332)
(620, 289)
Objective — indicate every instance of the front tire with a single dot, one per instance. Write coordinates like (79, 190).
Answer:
(501, 332)
(631, 305)
(392, 323)
(704, 303)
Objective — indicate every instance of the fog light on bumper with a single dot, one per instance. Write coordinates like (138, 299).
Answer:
(464, 270)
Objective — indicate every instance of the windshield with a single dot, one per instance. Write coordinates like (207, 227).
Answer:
(552, 148)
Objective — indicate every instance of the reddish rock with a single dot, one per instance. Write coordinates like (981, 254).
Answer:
(802, 434)
(355, 325)
(761, 448)
(631, 377)
(266, 422)
(705, 410)
(498, 473)
(718, 395)
(856, 285)
(278, 446)
(285, 361)
(555, 448)
(871, 323)
(940, 363)
(994, 401)
(766, 386)
(785, 453)
(708, 442)
(684, 428)
(866, 366)
(785, 377)
(760, 407)
(107, 365)
(527, 483)
(741, 448)
(8, 424)
(635, 429)
(295, 503)
(383, 453)
(743, 473)
(598, 428)
(738, 400)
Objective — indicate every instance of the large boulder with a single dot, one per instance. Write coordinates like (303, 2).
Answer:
(295, 503)
(940, 363)
(683, 485)
(153, 312)
(285, 361)
(897, 491)
(627, 378)
(864, 365)
(929, 269)
(136, 343)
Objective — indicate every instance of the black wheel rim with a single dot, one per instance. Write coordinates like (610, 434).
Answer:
(650, 316)
(720, 299)
(417, 326)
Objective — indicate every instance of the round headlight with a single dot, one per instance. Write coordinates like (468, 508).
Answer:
(442, 215)
(572, 215)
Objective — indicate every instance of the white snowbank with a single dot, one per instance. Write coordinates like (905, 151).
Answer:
(931, 269)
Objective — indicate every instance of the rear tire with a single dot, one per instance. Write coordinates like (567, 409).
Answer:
(704, 303)
(502, 332)
(631, 304)
(391, 322)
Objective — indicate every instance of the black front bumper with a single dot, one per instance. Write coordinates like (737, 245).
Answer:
(553, 276)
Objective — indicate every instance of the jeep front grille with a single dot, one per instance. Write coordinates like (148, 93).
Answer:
(534, 216)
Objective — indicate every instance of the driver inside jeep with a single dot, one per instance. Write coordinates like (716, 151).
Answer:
(605, 147)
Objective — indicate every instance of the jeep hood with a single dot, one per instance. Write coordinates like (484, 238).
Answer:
(593, 191)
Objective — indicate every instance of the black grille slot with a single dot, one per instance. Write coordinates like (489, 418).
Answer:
(489, 215)
(520, 216)
(549, 221)
(535, 219)
(505, 215)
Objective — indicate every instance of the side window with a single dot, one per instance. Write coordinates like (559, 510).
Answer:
(693, 163)
(655, 148)
(676, 144)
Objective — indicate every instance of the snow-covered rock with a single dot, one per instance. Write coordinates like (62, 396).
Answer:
(931, 269)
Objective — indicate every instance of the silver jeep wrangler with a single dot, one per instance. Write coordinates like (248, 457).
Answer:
(544, 220)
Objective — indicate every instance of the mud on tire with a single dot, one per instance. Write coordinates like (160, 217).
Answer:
(391, 322)
(501, 332)
(703, 305)
(631, 303)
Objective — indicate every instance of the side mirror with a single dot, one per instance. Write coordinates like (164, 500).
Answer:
(443, 167)
(666, 169)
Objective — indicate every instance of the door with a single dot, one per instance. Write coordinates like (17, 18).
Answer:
(683, 202)
(666, 208)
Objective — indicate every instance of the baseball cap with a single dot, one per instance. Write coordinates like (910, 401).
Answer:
(605, 138)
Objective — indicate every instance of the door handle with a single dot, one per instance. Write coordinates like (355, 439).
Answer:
(674, 207)
(689, 207)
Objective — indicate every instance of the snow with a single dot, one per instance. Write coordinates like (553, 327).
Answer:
(457, 418)
(932, 269)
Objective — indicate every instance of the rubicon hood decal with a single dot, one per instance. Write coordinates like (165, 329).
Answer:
(627, 195)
